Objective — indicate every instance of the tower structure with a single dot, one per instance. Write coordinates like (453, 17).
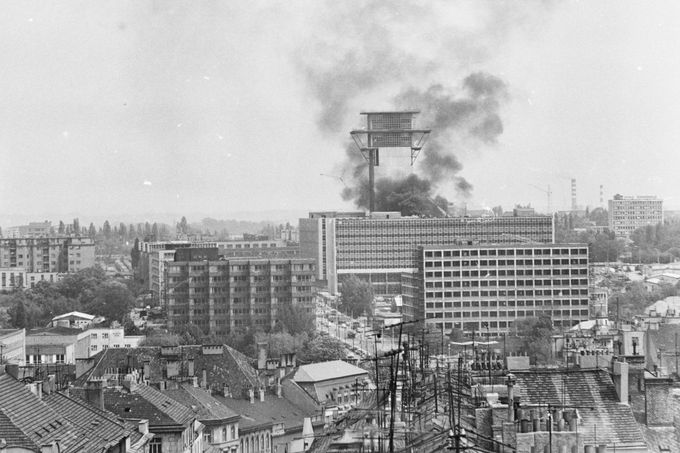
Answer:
(387, 130)
(574, 205)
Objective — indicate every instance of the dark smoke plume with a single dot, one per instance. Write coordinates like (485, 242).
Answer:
(410, 196)
(460, 122)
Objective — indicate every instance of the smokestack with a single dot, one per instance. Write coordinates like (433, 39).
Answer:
(573, 194)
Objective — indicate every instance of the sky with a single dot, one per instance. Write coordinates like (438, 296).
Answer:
(135, 109)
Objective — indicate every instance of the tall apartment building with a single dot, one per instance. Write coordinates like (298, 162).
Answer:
(627, 214)
(48, 254)
(32, 230)
(154, 256)
(223, 295)
(383, 248)
(489, 287)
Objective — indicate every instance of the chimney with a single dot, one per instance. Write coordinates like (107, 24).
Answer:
(39, 389)
(94, 394)
(657, 393)
(261, 395)
(143, 426)
(204, 379)
(279, 390)
(261, 355)
(251, 395)
(162, 385)
(620, 379)
(226, 391)
(510, 381)
(194, 381)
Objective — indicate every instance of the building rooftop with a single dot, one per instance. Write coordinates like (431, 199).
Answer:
(74, 314)
(223, 365)
(205, 406)
(324, 371)
(29, 422)
(47, 331)
(145, 402)
(603, 419)
(270, 412)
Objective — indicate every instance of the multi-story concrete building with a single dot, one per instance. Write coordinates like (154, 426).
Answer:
(49, 254)
(154, 256)
(482, 287)
(384, 247)
(627, 214)
(219, 296)
(56, 345)
(32, 230)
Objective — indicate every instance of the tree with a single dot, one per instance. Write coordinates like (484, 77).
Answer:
(92, 231)
(17, 315)
(113, 300)
(183, 226)
(62, 228)
(295, 319)
(107, 229)
(154, 232)
(135, 254)
(322, 348)
(357, 295)
(536, 334)
(122, 231)
(76, 226)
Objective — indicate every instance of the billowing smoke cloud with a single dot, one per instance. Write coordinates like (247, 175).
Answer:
(371, 57)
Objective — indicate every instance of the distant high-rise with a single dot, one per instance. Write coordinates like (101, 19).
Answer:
(627, 214)
(383, 247)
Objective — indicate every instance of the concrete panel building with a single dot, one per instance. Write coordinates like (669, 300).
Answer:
(48, 254)
(383, 247)
(219, 296)
(489, 287)
(627, 214)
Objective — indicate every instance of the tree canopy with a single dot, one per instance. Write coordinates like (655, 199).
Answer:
(357, 296)
(536, 334)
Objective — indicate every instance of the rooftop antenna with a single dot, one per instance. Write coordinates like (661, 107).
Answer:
(387, 130)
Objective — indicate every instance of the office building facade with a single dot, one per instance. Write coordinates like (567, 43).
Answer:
(384, 247)
(49, 254)
(489, 287)
(627, 214)
(226, 295)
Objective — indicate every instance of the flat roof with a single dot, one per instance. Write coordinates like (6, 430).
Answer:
(390, 112)
(502, 246)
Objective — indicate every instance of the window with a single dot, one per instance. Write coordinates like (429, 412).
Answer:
(93, 347)
(155, 445)
(105, 336)
(59, 358)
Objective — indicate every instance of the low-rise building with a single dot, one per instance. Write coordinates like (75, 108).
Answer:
(336, 385)
(74, 320)
(221, 424)
(174, 426)
(57, 345)
(12, 346)
(112, 337)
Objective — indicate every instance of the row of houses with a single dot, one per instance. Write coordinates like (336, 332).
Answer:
(204, 398)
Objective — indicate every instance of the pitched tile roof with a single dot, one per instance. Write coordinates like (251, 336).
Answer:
(206, 407)
(323, 371)
(603, 418)
(145, 402)
(95, 424)
(34, 421)
(230, 368)
(272, 411)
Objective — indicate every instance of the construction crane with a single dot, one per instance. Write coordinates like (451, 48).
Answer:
(548, 193)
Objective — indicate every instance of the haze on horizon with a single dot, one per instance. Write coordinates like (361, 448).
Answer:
(136, 107)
